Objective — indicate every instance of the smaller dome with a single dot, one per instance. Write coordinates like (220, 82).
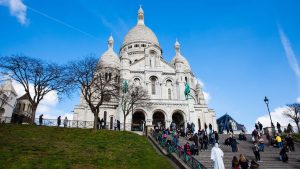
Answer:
(178, 58)
(109, 58)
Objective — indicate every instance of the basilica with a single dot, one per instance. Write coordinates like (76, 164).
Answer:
(140, 61)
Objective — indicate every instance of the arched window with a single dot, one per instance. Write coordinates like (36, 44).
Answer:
(153, 81)
(106, 76)
(109, 76)
(169, 94)
(137, 81)
(186, 79)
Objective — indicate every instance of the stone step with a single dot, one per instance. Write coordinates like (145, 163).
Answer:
(270, 157)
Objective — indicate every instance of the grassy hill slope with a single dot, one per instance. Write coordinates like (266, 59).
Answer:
(24, 146)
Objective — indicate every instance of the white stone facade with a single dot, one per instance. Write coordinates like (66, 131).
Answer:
(8, 98)
(140, 61)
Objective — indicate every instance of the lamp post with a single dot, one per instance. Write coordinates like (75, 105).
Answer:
(266, 100)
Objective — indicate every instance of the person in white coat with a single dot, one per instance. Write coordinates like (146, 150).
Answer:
(217, 157)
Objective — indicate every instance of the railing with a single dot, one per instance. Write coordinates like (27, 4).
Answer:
(171, 148)
(74, 124)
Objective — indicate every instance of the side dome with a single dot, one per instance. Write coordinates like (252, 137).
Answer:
(178, 58)
(109, 58)
(140, 33)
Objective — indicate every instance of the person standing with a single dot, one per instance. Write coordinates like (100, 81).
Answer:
(66, 122)
(98, 122)
(115, 125)
(261, 144)
(58, 121)
(256, 151)
(216, 137)
(234, 145)
(260, 127)
(217, 157)
(278, 127)
(283, 156)
(205, 141)
(205, 127)
(41, 119)
(235, 163)
(290, 142)
(279, 141)
(243, 162)
(210, 128)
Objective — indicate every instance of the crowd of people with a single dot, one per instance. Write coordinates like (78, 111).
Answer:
(203, 139)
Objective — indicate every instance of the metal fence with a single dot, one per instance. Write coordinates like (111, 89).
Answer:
(77, 124)
(188, 159)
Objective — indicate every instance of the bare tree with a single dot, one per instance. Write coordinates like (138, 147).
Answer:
(97, 84)
(292, 112)
(135, 97)
(37, 77)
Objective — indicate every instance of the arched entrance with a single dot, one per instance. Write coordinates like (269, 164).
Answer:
(158, 119)
(178, 119)
(138, 120)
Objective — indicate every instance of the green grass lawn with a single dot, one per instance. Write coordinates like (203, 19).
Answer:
(25, 146)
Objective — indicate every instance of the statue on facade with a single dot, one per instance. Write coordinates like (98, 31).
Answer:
(125, 86)
(187, 90)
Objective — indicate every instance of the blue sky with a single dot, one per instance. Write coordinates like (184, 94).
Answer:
(233, 46)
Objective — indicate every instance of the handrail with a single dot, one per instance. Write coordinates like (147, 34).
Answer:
(171, 148)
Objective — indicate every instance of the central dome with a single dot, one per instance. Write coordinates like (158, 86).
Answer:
(140, 33)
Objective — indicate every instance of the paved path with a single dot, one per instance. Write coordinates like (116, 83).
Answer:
(270, 157)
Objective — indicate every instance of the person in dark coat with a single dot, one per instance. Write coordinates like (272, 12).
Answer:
(278, 127)
(210, 128)
(283, 155)
(58, 121)
(41, 119)
(196, 139)
(205, 141)
(216, 137)
(102, 124)
(290, 142)
(98, 122)
(234, 145)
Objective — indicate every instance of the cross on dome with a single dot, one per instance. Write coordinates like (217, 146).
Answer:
(177, 46)
(140, 16)
(110, 42)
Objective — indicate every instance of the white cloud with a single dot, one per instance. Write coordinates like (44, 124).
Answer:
(277, 116)
(207, 96)
(16, 8)
(298, 100)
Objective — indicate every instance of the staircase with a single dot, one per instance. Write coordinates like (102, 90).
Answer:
(269, 158)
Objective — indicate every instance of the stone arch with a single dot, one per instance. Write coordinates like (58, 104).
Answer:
(159, 117)
(179, 118)
(168, 78)
(138, 120)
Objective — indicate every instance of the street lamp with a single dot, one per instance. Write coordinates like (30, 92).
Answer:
(266, 100)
